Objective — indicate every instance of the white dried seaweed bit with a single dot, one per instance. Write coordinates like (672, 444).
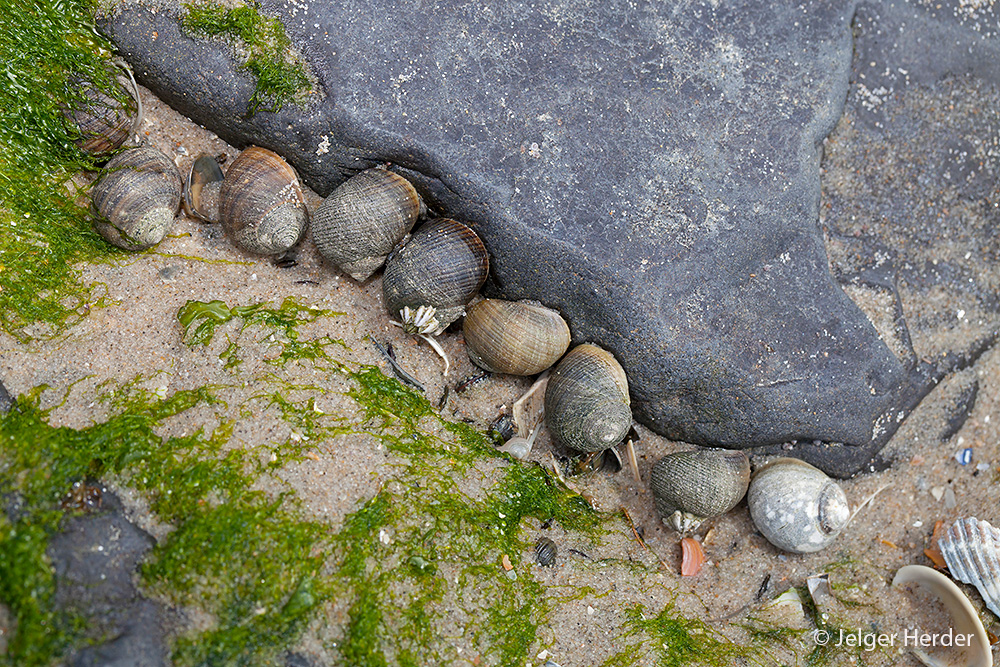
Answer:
(971, 548)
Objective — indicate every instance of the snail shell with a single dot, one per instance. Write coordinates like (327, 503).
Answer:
(429, 279)
(545, 552)
(261, 204)
(105, 122)
(587, 401)
(796, 506)
(201, 193)
(689, 487)
(516, 338)
(136, 197)
(361, 221)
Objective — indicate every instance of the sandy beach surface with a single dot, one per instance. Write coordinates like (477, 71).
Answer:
(593, 583)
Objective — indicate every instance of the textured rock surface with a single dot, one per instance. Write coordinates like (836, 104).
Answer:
(94, 559)
(651, 171)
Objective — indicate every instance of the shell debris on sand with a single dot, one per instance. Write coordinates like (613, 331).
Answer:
(971, 548)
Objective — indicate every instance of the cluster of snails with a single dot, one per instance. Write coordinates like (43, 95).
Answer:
(793, 504)
(430, 278)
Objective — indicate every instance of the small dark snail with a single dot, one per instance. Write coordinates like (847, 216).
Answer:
(359, 224)
(514, 337)
(106, 122)
(201, 193)
(261, 205)
(545, 552)
(796, 506)
(689, 487)
(136, 197)
(429, 279)
(587, 401)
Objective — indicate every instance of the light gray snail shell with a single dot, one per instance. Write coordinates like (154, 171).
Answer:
(430, 278)
(514, 337)
(135, 199)
(261, 205)
(587, 400)
(796, 506)
(689, 487)
(361, 221)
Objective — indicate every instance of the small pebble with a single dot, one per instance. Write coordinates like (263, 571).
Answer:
(964, 456)
(982, 467)
(949, 499)
(937, 492)
(168, 274)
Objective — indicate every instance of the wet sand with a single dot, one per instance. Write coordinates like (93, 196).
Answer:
(139, 335)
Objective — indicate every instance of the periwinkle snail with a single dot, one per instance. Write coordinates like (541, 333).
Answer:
(362, 220)
(430, 278)
(105, 122)
(689, 487)
(261, 205)
(514, 337)
(136, 197)
(587, 401)
(796, 506)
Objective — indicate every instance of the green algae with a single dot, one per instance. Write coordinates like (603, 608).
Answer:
(279, 78)
(675, 640)
(45, 46)
(397, 567)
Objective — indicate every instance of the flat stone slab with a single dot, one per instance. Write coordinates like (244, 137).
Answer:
(651, 171)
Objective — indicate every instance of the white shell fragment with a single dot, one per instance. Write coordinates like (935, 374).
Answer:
(796, 506)
(971, 548)
(964, 618)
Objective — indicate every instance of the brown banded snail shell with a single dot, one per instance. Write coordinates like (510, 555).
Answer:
(430, 278)
(261, 205)
(514, 337)
(105, 122)
(587, 401)
(796, 506)
(689, 487)
(359, 224)
(201, 192)
(136, 197)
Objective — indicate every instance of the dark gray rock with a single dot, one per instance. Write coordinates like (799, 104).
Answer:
(650, 170)
(94, 559)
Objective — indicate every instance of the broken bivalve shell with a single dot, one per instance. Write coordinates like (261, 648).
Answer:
(361, 221)
(689, 487)
(692, 557)
(514, 337)
(201, 192)
(261, 206)
(971, 548)
(796, 506)
(135, 198)
(965, 620)
(587, 401)
(430, 278)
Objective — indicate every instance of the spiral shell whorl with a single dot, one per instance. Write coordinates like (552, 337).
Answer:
(442, 266)
(587, 401)
(512, 337)
(361, 221)
(135, 199)
(796, 506)
(261, 205)
(700, 484)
